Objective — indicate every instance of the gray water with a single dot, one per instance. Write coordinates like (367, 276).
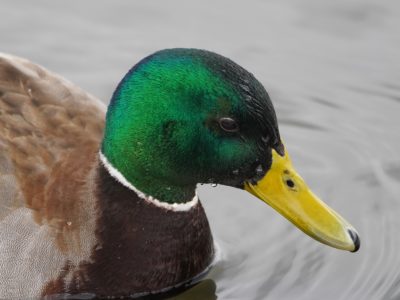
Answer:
(332, 69)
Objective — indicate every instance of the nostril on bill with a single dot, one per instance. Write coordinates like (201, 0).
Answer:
(355, 238)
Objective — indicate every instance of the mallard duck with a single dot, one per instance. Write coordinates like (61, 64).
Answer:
(105, 202)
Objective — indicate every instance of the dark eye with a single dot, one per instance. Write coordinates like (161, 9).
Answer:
(228, 124)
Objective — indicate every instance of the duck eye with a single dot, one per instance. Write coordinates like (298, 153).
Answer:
(228, 124)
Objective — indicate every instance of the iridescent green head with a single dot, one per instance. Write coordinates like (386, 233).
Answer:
(186, 116)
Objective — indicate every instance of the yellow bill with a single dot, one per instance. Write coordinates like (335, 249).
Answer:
(285, 191)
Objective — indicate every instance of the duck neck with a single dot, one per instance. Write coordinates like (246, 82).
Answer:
(141, 247)
(151, 188)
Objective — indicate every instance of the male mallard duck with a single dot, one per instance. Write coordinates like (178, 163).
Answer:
(114, 212)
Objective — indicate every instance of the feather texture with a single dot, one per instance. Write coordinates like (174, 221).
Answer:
(63, 218)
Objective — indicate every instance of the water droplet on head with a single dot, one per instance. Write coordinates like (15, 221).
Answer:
(245, 87)
(69, 223)
(265, 139)
(259, 170)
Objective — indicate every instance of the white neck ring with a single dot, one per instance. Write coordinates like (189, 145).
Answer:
(117, 175)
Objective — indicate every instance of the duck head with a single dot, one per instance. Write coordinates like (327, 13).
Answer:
(185, 116)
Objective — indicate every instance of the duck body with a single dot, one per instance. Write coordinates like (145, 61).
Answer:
(66, 225)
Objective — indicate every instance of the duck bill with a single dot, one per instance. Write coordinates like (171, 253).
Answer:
(285, 191)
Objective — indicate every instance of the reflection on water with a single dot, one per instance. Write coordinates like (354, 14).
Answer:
(332, 70)
(203, 290)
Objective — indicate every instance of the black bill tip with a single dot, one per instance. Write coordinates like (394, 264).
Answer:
(355, 238)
